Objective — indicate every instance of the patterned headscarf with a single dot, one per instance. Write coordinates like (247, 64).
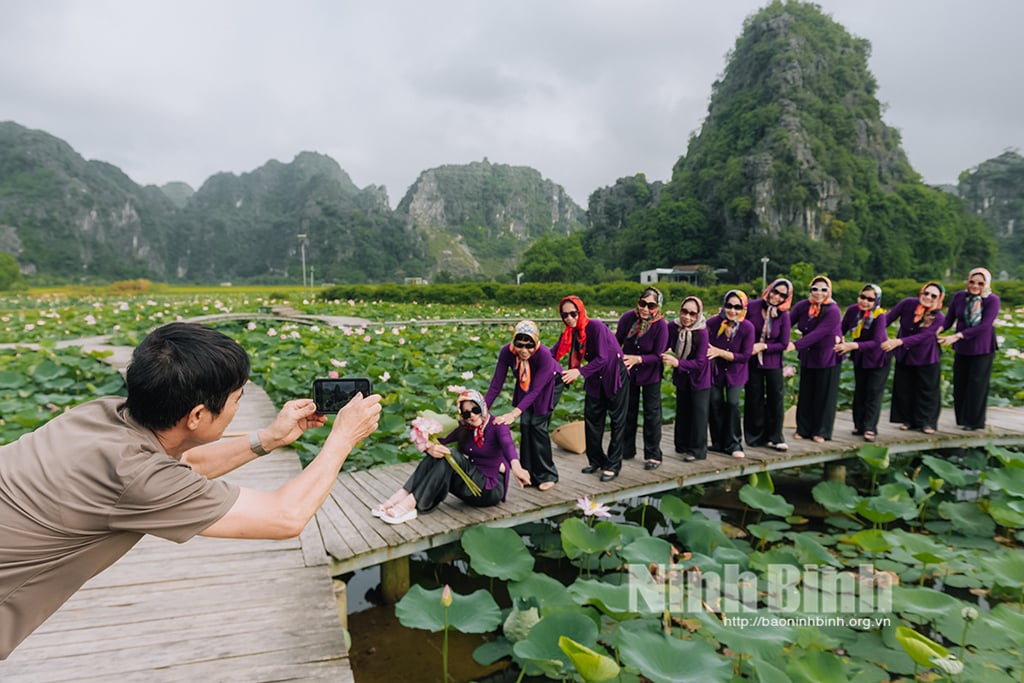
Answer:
(477, 398)
(772, 312)
(684, 345)
(641, 326)
(524, 328)
(972, 312)
(815, 310)
(921, 309)
(729, 327)
(574, 339)
(867, 318)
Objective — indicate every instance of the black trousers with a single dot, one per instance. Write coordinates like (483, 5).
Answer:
(762, 407)
(816, 404)
(433, 479)
(535, 443)
(691, 432)
(868, 387)
(651, 394)
(916, 400)
(971, 375)
(595, 410)
(724, 419)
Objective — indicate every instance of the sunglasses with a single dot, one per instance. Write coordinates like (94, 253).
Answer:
(980, 283)
(688, 312)
(524, 345)
(778, 293)
(733, 307)
(466, 414)
(819, 289)
(869, 299)
(570, 314)
(930, 295)
(652, 305)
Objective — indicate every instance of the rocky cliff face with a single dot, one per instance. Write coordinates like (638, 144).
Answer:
(478, 218)
(994, 190)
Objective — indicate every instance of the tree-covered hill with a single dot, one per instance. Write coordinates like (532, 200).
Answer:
(795, 163)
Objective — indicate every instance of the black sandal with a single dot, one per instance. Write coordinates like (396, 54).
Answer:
(652, 464)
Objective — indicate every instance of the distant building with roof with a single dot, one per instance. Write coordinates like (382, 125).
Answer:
(688, 274)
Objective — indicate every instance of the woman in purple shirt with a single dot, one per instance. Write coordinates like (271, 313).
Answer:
(687, 355)
(484, 450)
(594, 354)
(917, 379)
(763, 398)
(643, 335)
(817, 318)
(865, 320)
(534, 395)
(730, 341)
(974, 312)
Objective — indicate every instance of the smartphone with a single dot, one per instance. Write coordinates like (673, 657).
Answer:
(331, 395)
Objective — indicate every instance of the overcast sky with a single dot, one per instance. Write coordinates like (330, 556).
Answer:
(585, 91)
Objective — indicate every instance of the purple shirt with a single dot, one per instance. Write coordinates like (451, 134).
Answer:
(649, 346)
(981, 338)
(920, 344)
(602, 371)
(498, 449)
(869, 354)
(816, 348)
(544, 371)
(732, 373)
(778, 340)
(694, 371)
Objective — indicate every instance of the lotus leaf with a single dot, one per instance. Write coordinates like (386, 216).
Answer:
(675, 509)
(578, 538)
(1008, 479)
(548, 591)
(919, 546)
(835, 496)
(421, 608)
(968, 518)
(648, 550)
(497, 552)
(614, 600)
(875, 457)
(766, 673)
(761, 480)
(815, 666)
(809, 551)
(701, 535)
(923, 604)
(541, 647)
(663, 659)
(1001, 511)
(593, 666)
(766, 534)
(947, 470)
(1006, 568)
(766, 501)
(757, 640)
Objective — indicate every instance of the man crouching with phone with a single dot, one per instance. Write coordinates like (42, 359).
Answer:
(80, 491)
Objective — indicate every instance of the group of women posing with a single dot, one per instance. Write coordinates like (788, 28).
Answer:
(738, 351)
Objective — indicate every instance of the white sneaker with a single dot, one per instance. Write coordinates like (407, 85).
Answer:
(782, 446)
(738, 454)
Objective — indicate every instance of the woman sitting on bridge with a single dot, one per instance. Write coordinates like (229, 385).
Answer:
(485, 452)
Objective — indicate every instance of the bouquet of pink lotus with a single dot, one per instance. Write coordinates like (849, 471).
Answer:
(424, 431)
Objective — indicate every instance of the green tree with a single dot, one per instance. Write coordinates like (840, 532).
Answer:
(10, 273)
(556, 259)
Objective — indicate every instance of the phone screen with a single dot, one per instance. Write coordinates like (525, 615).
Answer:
(331, 395)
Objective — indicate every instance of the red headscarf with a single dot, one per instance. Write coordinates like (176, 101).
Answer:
(565, 343)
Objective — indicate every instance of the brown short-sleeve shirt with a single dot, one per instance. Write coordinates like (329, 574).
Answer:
(76, 495)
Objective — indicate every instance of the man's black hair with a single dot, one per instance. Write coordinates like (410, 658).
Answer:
(179, 366)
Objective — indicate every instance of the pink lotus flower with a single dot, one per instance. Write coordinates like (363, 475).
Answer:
(446, 596)
(333, 374)
(591, 508)
(421, 431)
(788, 371)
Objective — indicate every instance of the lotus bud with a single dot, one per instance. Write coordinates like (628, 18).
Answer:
(969, 613)
(446, 596)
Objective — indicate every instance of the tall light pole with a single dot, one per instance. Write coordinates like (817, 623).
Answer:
(302, 245)
(764, 272)
(519, 276)
(311, 283)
